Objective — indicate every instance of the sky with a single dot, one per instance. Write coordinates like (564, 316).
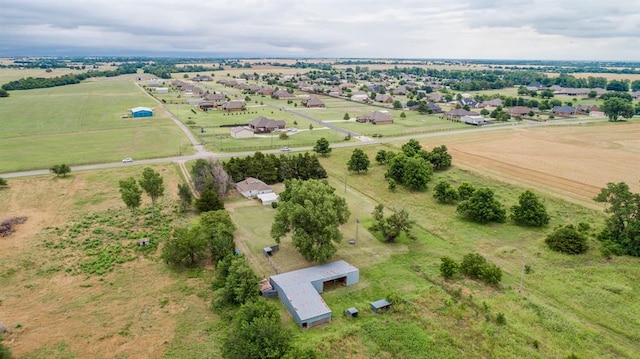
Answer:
(607, 30)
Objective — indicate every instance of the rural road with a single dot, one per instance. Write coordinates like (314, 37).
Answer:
(203, 153)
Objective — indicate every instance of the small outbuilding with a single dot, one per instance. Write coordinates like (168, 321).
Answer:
(268, 198)
(380, 305)
(351, 312)
(473, 120)
(138, 112)
(241, 132)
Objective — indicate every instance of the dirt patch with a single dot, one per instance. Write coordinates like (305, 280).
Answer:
(131, 312)
(571, 162)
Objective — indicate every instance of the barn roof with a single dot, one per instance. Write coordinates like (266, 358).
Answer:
(141, 109)
(302, 295)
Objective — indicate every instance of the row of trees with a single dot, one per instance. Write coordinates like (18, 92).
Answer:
(273, 169)
(480, 205)
(131, 189)
(474, 266)
(69, 79)
(414, 166)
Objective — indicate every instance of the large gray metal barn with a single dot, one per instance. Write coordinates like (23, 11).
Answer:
(299, 290)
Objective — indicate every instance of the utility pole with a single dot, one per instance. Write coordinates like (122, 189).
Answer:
(522, 274)
(345, 182)
(357, 223)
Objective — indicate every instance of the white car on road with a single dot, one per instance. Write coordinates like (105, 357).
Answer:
(127, 160)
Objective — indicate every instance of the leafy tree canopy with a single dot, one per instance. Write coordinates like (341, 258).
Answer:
(359, 161)
(322, 147)
(567, 239)
(623, 225)
(529, 211)
(482, 207)
(152, 183)
(616, 107)
(312, 211)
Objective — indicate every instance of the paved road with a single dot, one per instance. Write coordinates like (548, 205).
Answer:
(205, 154)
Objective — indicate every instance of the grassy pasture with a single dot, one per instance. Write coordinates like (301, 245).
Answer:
(81, 124)
(583, 304)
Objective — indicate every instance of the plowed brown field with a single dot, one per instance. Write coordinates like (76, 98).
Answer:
(573, 162)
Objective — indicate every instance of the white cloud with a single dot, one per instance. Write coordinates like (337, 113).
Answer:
(513, 29)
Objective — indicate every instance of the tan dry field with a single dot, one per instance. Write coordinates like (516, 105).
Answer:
(117, 314)
(609, 77)
(572, 162)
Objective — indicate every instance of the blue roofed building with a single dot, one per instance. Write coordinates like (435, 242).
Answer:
(300, 290)
(141, 112)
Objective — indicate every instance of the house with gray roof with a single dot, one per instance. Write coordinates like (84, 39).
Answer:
(234, 106)
(312, 101)
(300, 290)
(251, 187)
(376, 118)
(262, 124)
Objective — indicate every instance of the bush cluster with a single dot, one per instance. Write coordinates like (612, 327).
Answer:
(474, 266)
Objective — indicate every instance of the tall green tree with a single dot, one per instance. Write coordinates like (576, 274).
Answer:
(465, 191)
(241, 284)
(185, 195)
(439, 158)
(616, 107)
(256, 332)
(131, 195)
(623, 225)
(529, 211)
(396, 167)
(312, 212)
(209, 201)
(393, 225)
(482, 207)
(444, 192)
(417, 173)
(185, 247)
(359, 161)
(218, 228)
(152, 183)
(61, 170)
(322, 147)
(411, 148)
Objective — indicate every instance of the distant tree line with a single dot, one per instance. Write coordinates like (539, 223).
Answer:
(273, 169)
(69, 79)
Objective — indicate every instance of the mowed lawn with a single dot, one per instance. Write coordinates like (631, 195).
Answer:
(82, 124)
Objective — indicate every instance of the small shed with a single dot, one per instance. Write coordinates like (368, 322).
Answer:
(269, 251)
(241, 132)
(138, 112)
(351, 312)
(268, 198)
(162, 90)
(380, 305)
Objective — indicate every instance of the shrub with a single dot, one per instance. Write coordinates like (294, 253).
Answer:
(472, 264)
(475, 266)
(448, 267)
(567, 240)
(500, 319)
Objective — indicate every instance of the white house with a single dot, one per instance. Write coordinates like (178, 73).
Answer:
(252, 187)
(473, 120)
(241, 132)
(162, 90)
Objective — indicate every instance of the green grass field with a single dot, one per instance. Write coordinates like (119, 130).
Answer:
(82, 124)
